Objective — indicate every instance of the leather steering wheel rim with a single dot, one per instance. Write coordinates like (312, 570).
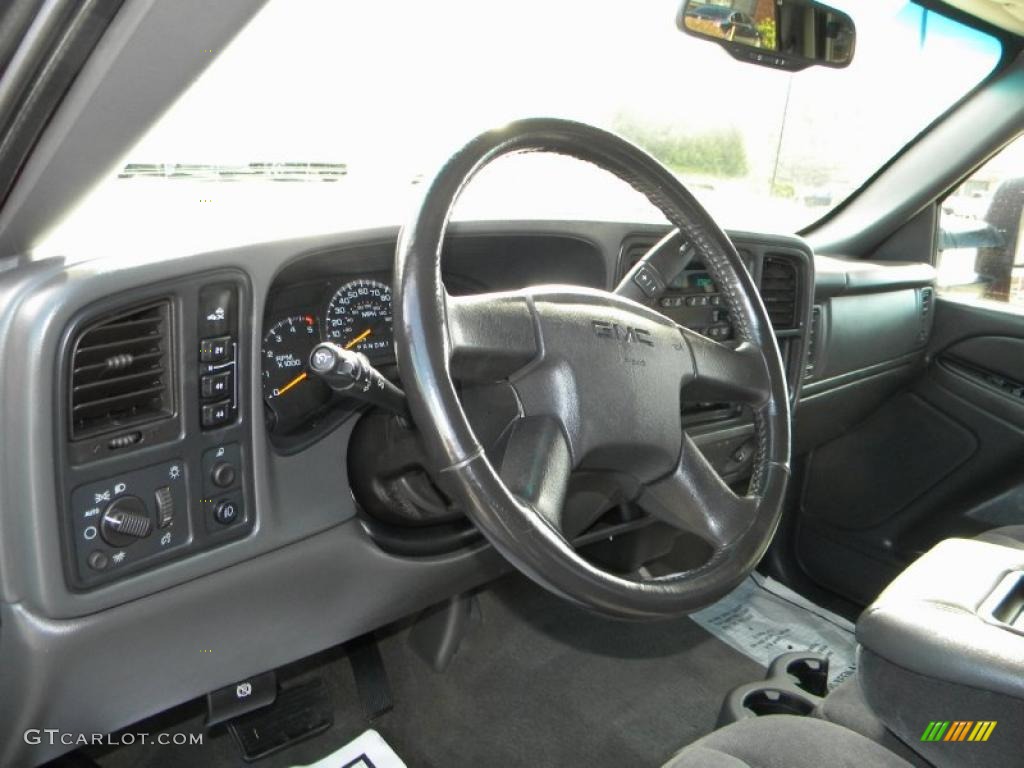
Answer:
(534, 334)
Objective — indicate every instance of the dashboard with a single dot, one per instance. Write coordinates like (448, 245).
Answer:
(248, 498)
(355, 312)
(177, 404)
(344, 296)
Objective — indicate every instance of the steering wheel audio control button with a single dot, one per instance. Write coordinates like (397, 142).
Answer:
(647, 281)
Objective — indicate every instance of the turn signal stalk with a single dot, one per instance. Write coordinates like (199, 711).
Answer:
(352, 374)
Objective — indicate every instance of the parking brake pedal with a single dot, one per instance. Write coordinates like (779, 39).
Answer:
(299, 712)
(235, 700)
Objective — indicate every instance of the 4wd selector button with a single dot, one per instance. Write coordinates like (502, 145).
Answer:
(125, 521)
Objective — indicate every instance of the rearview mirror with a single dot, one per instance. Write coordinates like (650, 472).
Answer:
(786, 34)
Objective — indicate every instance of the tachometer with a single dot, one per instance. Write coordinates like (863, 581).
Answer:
(359, 318)
(286, 348)
(290, 392)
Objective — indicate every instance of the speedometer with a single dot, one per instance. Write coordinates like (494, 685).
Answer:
(359, 317)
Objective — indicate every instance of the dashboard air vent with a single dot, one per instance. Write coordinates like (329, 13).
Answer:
(779, 288)
(120, 371)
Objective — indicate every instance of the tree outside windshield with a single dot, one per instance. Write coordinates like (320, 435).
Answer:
(363, 100)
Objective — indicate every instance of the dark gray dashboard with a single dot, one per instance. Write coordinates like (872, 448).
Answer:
(869, 329)
(302, 571)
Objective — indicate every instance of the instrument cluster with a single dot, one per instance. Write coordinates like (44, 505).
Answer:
(355, 314)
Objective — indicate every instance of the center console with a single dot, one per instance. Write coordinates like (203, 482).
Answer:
(940, 670)
(942, 660)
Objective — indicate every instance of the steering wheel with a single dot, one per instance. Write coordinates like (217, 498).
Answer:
(597, 379)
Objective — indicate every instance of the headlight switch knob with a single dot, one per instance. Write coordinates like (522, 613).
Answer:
(125, 521)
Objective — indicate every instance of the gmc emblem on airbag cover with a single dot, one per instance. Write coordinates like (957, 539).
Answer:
(626, 333)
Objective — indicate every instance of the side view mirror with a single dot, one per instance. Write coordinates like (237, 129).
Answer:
(785, 34)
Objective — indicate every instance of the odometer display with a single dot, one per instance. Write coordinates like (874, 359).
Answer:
(359, 317)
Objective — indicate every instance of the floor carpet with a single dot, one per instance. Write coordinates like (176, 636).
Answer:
(537, 682)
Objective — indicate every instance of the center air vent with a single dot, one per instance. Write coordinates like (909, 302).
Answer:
(121, 372)
(779, 292)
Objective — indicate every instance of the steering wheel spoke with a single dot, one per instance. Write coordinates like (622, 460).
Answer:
(536, 466)
(491, 335)
(694, 498)
(723, 372)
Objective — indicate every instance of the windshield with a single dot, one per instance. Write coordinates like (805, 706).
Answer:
(353, 104)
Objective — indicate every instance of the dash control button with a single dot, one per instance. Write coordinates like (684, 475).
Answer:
(226, 512)
(223, 474)
(98, 560)
(215, 414)
(215, 350)
(164, 506)
(215, 384)
(216, 309)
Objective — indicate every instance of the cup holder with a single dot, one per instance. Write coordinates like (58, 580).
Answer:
(807, 672)
(774, 701)
(796, 684)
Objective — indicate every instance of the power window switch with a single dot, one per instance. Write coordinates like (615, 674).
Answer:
(164, 506)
